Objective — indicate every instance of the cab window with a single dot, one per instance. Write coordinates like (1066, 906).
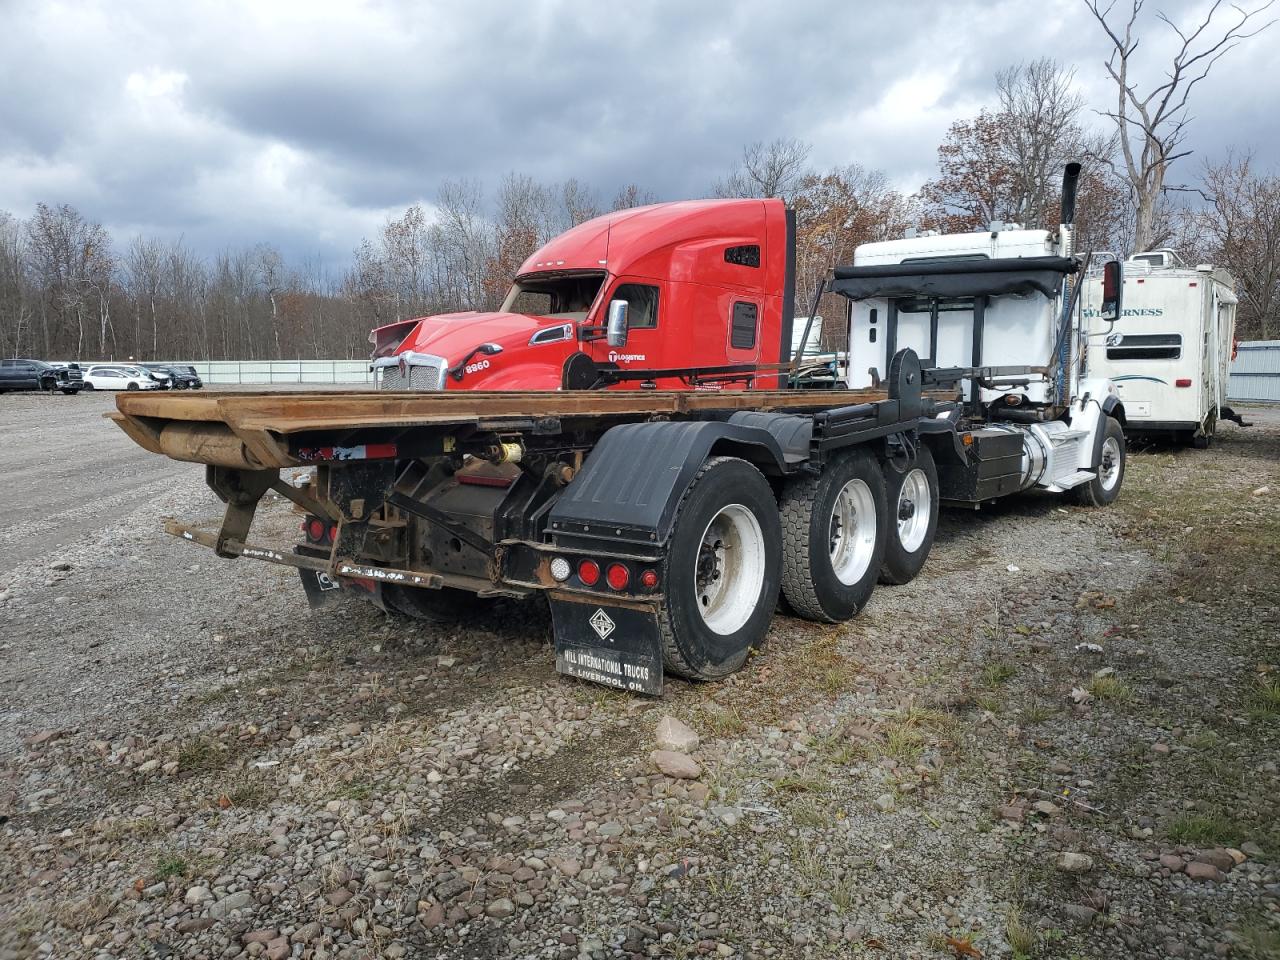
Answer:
(642, 312)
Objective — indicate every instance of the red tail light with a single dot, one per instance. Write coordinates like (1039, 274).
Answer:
(1182, 382)
(315, 530)
(618, 576)
(589, 572)
(649, 579)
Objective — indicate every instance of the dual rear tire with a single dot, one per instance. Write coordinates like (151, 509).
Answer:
(824, 543)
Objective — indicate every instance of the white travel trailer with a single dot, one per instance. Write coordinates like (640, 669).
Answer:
(1169, 353)
(995, 316)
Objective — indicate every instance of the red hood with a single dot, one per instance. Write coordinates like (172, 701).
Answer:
(453, 335)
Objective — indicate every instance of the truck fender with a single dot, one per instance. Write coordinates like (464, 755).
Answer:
(632, 482)
(1113, 406)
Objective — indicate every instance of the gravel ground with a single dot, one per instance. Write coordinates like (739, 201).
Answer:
(1059, 741)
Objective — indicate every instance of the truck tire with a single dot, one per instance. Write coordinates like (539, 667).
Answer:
(445, 605)
(911, 493)
(722, 572)
(1108, 465)
(834, 531)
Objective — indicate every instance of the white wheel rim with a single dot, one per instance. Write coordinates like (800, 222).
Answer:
(914, 509)
(852, 532)
(728, 574)
(1109, 469)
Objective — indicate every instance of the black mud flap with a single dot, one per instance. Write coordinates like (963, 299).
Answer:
(612, 645)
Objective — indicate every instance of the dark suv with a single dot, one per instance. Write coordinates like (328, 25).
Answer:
(181, 376)
(37, 375)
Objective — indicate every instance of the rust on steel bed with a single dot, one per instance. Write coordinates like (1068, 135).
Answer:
(234, 428)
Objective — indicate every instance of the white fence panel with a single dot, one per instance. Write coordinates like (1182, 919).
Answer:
(267, 372)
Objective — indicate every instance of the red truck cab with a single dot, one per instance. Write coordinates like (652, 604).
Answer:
(707, 284)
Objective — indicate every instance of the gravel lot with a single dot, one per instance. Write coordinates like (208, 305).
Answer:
(1060, 741)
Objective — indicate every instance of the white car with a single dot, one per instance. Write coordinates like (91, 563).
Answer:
(118, 378)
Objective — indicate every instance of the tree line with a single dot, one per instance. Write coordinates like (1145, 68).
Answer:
(68, 290)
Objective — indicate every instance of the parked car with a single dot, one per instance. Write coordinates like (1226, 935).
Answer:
(21, 374)
(113, 377)
(181, 376)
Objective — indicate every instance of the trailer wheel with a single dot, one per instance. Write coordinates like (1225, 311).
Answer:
(722, 573)
(1108, 465)
(445, 605)
(911, 493)
(1202, 439)
(834, 531)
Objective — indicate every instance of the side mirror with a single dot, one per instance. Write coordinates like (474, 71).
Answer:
(616, 328)
(1112, 286)
(490, 349)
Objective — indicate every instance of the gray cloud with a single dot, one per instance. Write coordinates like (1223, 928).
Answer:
(306, 124)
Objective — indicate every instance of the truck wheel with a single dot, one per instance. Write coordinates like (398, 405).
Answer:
(834, 531)
(446, 605)
(722, 571)
(911, 492)
(1108, 465)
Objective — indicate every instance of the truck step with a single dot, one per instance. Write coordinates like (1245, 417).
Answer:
(1074, 479)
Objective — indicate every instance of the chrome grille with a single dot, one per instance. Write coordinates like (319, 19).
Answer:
(421, 372)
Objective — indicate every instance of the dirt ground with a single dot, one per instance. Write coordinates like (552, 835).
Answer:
(1060, 741)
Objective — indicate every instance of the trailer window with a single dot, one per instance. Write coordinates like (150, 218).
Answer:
(742, 333)
(642, 314)
(567, 297)
(1144, 346)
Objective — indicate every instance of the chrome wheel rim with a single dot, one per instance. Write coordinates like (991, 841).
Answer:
(915, 507)
(729, 572)
(1109, 469)
(852, 532)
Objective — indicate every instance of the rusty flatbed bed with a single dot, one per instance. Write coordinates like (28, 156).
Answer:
(252, 429)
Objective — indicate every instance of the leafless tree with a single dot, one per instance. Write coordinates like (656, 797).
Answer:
(771, 169)
(1152, 125)
(1239, 228)
(632, 195)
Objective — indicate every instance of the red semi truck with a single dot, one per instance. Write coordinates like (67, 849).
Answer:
(708, 288)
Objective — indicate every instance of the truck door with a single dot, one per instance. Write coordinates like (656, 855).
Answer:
(644, 347)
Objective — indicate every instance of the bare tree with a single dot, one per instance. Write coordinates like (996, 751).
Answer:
(1152, 126)
(632, 195)
(1239, 228)
(772, 169)
(579, 203)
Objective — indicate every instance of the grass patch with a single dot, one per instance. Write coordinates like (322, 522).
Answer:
(171, 865)
(1038, 713)
(1000, 672)
(907, 734)
(1204, 829)
(797, 783)
(1022, 937)
(723, 721)
(1111, 688)
(1264, 699)
(197, 755)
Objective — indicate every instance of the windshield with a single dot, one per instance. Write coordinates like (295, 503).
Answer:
(562, 297)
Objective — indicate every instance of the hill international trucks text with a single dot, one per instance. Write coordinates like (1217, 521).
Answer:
(508, 454)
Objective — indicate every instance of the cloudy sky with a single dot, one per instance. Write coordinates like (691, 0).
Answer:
(305, 122)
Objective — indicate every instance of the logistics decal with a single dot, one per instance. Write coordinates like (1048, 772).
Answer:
(615, 357)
